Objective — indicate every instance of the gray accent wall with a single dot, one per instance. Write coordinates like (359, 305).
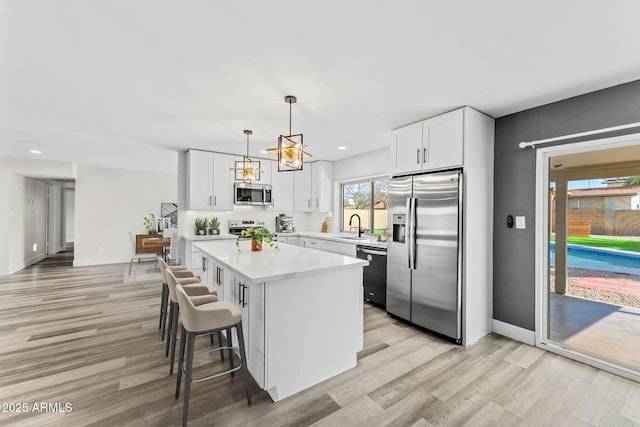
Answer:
(514, 185)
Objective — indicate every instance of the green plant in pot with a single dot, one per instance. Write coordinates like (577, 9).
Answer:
(149, 223)
(259, 237)
(214, 225)
(201, 226)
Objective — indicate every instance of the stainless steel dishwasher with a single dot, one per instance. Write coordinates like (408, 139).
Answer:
(374, 276)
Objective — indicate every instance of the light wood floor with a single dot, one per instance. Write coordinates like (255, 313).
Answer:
(81, 336)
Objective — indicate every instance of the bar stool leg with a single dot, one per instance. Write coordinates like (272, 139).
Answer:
(187, 378)
(174, 333)
(172, 306)
(243, 358)
(230, 345)
(183, 339)
(221, 345)
(163, 308)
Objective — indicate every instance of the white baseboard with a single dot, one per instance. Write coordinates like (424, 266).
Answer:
(100, 261)
(514, 332)
(17, 267)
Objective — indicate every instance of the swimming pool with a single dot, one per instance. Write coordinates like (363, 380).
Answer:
(579, 256)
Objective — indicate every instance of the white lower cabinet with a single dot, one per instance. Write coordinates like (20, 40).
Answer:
(347, 249)
(307, 242)
(250, 300)
(293, 240)
(329, 246)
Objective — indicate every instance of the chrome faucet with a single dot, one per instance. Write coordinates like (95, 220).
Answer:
(359, 224)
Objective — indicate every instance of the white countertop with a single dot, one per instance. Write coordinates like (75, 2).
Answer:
(206, 237)
(336, 238)
(270, 265)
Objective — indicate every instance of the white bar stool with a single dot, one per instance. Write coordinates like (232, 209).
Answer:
(164, 301)
(202, 320)
(200, 293)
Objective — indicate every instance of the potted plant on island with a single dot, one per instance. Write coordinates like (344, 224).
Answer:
(149, 223)
(214, 226)
(201, 226)
(259, 236)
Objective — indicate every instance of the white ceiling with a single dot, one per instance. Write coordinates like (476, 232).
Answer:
(112, 82)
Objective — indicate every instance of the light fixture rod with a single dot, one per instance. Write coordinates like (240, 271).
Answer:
(247, 132)
(578, 135)
(290, 99)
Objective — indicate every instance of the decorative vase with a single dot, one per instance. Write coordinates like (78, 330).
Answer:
(202, 232)
(214, 232)
(256, 245)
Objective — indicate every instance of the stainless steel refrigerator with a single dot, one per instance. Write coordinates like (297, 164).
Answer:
(423, 256)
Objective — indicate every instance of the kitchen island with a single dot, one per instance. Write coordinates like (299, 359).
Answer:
(302, 310)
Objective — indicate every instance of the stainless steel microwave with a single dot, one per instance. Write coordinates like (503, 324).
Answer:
(252, 194)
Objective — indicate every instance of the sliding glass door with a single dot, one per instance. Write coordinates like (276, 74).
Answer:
(589, 250)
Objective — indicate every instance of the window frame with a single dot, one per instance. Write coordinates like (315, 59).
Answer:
(370, 181)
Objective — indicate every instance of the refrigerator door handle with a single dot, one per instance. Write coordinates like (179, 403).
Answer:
(408, 231)
(412, 232)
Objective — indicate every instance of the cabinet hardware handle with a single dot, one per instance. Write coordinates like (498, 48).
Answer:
(204, 264)
(418, 156)
(215, 200)
(309, 203)
(424, 155)
(317, 201)
(239, 293)
(209, 200)
(244, 296)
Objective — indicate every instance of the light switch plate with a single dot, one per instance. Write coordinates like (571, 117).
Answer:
(520, 222)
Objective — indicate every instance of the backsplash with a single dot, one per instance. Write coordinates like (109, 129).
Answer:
(304, 221)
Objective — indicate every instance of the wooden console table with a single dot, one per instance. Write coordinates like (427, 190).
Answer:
(151, 243)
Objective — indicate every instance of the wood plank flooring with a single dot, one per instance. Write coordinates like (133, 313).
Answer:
(80, 336)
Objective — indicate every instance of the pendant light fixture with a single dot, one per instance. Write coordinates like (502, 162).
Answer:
(290, 149)
(247, 170)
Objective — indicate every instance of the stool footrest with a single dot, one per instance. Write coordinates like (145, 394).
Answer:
(195, 380)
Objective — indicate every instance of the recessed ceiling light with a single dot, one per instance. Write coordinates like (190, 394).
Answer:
(35, 151)
(264, 151)
(342, 147)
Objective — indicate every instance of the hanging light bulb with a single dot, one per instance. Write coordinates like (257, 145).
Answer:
(247, 169)
(290, 149)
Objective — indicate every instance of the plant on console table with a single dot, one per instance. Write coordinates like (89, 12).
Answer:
(149, 223)
(259, 237)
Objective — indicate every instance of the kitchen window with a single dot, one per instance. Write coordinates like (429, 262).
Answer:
(367, 199)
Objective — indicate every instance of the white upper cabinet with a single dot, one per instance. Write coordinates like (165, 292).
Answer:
(442, 139)
(406, 149)
(312, 187)
(199, 180)
(432, 144)
(265, 176)
(222, 182)
(302, 188)
(321, 173)
(282, 187)
(209, 184)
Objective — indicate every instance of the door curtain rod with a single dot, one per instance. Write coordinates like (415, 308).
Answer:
(577, 135)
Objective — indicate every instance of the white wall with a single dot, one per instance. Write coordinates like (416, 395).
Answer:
(69, 214)
(15, 192)
(367, 165)
(111, 202)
